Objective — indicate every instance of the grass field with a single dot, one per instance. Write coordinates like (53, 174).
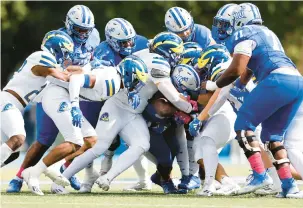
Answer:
(116, 198)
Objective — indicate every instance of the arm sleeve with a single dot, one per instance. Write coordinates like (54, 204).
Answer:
(57, 81)
(245, 47)
(170, 92)
(222, 97)
(76, 82)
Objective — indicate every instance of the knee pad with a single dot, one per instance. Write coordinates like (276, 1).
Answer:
(272, 151)
(244, 144)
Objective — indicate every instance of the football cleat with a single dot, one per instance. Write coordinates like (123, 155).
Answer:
(139, 186)
(290, 189)
(208, 190)
(56, 177)
(88, 182)
(74, 182)
(32, 181)
(190, 182)
(58, 189)
(268, 190)
(228, 187)
(14, 186)
(258, 181)
(169, 188)
(103, 183)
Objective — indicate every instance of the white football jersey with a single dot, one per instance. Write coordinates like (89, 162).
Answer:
(24, 82)
(158, 71)
(108, 82)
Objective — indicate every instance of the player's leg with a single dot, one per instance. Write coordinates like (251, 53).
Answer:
(46, 135)
(107, 160)
(135, 133)
(108, 127)
(262, 103)
(144, 183)
(12, 125)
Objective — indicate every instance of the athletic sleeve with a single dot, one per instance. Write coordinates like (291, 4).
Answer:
(245, 47)
(221, 99)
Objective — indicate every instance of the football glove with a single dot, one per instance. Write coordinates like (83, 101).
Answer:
(134, 99)
(195, 126)
(77, 117)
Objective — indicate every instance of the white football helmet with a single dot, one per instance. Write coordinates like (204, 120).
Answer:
(245, 14)
(221, 27)
(185, 78)
(179, 21)
(120, 35)
(80, 22)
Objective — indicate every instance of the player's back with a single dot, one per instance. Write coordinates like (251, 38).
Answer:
(202, 36)
(158, 69)
(268, 53)
(24, 82)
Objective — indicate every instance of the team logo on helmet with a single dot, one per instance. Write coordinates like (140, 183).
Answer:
(8, 106)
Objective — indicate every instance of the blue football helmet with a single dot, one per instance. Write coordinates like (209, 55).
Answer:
(168, 45)
(185, 78)
(212, 57)
(133, 70)
(180, 22)
(59, 44)
(192, 52)
(221, 27)
(120, 35)
(245, 14)
(79, 23)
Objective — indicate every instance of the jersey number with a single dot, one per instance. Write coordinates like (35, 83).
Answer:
(239, 35)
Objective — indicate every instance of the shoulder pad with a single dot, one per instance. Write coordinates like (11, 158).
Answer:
(141, 43)
(42, 58)
(160, 67)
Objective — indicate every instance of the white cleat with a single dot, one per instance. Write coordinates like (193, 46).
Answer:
(103, 183)
(89, 180)
(268, 190)
(58, 189)
(229, 187)
(32, 181)
(293, 193)
(140, 186)
(56, 177)
(107, 162)
(207, 190)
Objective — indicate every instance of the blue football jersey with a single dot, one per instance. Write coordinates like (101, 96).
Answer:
(268, 54)
(202, 36)
(105, 55)
(83, 52)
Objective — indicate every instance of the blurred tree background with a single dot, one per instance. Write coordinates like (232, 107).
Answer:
(25, 23)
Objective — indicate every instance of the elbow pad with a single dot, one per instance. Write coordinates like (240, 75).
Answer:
(170, 92)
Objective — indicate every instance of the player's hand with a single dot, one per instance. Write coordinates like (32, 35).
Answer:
(239, 94)
(77, 116)
(134, 99)
(195, 126)
(209, 85)
(181, 118)
(193, 103)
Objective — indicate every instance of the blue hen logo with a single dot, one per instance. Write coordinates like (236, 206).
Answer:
(104, 117)
(63, 107)
(8, 106)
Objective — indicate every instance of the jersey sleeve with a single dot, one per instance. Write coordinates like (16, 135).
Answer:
(42, 58)
(107, 82)
(159, 69)
(103, 55)
(238, 36)
(203, 36)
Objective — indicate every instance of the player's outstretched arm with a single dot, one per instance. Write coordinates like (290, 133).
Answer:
(43, 71)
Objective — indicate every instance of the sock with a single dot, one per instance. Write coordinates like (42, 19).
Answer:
(89, 169)
(182, 159)
(125, 160)
(20, 172)
(66, 164)
(79, 163)
(39, 168)
(275, 177)
(6, 151)
(210, 158)
(193, 165)
(109, 153)
(256, 163)
(284, 172)
(141, 168)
